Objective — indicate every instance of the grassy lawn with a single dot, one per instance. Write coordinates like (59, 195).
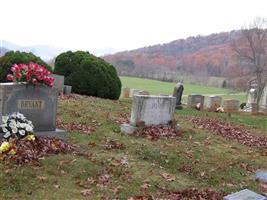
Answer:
(160, 87)
(138, 169)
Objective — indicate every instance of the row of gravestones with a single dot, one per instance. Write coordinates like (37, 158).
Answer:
(36, 103)
(59, 84)
(159, 110)
(211, 103)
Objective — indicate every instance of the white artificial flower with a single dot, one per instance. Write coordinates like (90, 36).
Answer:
(29, 128)
(20, 116)
(7, 134)
(12, 124)
(14, 130)
(19, 125)
(4, 119)
(4, 130)
(22, 132)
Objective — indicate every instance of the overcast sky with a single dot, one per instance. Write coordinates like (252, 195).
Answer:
(120, 24)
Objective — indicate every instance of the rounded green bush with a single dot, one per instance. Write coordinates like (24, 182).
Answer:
(17, 57)
(88, 74)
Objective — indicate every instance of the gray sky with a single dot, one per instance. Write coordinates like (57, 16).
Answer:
(120, 24)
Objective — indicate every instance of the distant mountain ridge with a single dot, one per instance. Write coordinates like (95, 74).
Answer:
(43, 51)
(46, 52)
(210, 55)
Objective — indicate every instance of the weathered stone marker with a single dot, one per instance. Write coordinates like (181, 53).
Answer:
(151, 110)
(67, 89)
(37, 103)
(194, 99)
(213, 102)
(59, 82)
(245, 195)
(177, 93)
(231, 105)
(125, 92)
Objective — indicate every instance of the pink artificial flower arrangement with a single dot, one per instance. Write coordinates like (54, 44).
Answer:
(31, 73)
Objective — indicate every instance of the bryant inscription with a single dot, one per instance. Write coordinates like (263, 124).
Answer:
(31, 104)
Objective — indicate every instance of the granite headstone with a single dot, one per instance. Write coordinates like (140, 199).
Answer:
(178, 92)
(194, 99)
(59, 82)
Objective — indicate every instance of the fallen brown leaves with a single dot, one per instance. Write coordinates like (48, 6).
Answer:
(70, 97)
(83, 128)
(29, 151)
(157, 132)
(113, 144)
(230, 131)
(187, 194)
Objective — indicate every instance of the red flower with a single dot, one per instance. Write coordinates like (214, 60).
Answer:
(34, 81)
(31, 73)
(10, 77)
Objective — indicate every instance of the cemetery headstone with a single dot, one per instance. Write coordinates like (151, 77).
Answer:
(150, 110)
(153, 110)
(178, 92)
(252, 96)
(37, 103)
(59, 82)
(194, 100)
(213, 102)
(67, 89)
(125, 92)
(245, 195)
(231, 105)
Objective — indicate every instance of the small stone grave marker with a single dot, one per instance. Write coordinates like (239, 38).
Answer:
(244, 195)
(67, 89)
(125, 92)
(213, 102)
(230, 105)
(194, 99)
(59, 82)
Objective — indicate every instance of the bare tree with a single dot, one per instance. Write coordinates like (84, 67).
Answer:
(251, 49)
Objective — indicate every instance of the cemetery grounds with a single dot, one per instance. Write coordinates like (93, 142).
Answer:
(160, 87)
(120, 166)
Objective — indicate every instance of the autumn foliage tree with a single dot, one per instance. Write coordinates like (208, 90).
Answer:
(251, 48)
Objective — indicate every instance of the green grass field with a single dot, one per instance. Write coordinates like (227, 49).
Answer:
(191, 162)
(160, 87)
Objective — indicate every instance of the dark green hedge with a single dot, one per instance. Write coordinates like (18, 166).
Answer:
(88, 74)
(17, 57)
